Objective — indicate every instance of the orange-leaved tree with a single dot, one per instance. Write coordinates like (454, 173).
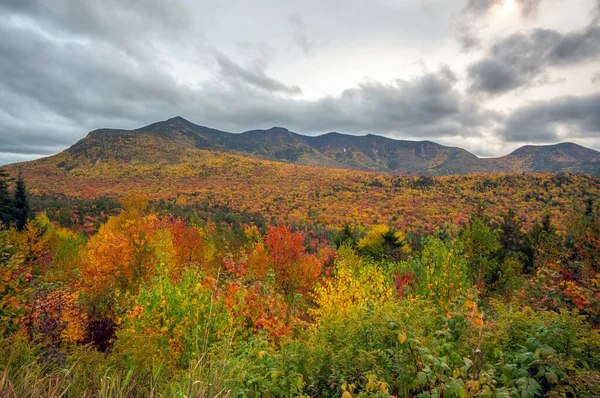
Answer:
(296, 271)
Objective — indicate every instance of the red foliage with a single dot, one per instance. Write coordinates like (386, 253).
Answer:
(295, 270)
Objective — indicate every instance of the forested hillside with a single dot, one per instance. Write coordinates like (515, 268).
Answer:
(277, 192)
(238, 277)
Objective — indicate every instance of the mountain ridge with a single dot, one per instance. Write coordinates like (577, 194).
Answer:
(177, 137)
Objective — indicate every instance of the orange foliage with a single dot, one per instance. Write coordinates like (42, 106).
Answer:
(258, 308)
(295, 270)
(56, 317)
(291, 194)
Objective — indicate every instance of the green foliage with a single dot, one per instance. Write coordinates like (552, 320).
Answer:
(481, 245)
(511, 233)
(381, 241)
(173, 322)
(441, 271)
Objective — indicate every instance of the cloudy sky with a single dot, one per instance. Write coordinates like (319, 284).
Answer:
(486, 75)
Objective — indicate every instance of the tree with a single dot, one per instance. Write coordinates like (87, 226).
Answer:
(6, 203)
(511, 234)
(542, 243)
(382, 241)
(295, 270)
(583, 238)
(346, 236)
(481, 247)
(21, 209)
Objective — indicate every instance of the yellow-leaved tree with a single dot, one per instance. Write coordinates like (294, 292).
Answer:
(356, 284)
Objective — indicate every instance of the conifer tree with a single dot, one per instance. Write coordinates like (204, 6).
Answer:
(6, 203)
(22, 210)
(511, 235)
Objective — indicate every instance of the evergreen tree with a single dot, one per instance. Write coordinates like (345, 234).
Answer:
(22, 210)
(6, 203)
(589, 206)
(511, 234)
(583, 238)
(543, 237)
(347, 236)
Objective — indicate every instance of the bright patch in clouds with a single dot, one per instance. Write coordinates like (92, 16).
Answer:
(509, 5)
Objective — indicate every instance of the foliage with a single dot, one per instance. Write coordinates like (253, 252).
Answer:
(383, 241)
(356, 284)
(441, 272)
(153, 304)
(295, 270)
(6, 205)
(171, 322)
(22, 210)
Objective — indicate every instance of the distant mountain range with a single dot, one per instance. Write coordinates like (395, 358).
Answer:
(170, 140)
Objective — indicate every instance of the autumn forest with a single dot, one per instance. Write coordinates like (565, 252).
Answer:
(223, 275)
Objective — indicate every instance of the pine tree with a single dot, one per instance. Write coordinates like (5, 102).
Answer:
(22, 210)
(6, 203)
(543, 237)
(511, 235)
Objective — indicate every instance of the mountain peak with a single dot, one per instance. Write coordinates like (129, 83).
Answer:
(178, 119)
(562, 146)
(276, 129)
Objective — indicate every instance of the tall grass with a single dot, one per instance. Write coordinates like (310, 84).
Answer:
(94, 376)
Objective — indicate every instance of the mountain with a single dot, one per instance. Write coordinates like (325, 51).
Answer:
(172, 140)
(564, 157)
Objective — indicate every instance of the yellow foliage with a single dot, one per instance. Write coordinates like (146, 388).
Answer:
(355, 285)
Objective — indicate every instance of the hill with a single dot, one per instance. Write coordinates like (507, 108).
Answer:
(168, 167)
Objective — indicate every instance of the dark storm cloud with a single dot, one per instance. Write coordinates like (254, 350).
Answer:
(481, 7)
(519, 59)
(543, 121)
(254, 76)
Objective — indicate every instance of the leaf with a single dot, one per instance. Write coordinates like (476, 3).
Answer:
(401, 338)
(551, 377)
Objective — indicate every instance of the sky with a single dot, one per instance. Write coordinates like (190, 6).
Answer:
(485, 75)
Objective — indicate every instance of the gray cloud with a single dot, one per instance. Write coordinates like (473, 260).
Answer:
(254, 76)
(425, 107)
(130, 26)
(73, 86)
(519, 59)
(71, 66)
(595, 78)
(301, 38)
(544, 121)
(468, 40)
